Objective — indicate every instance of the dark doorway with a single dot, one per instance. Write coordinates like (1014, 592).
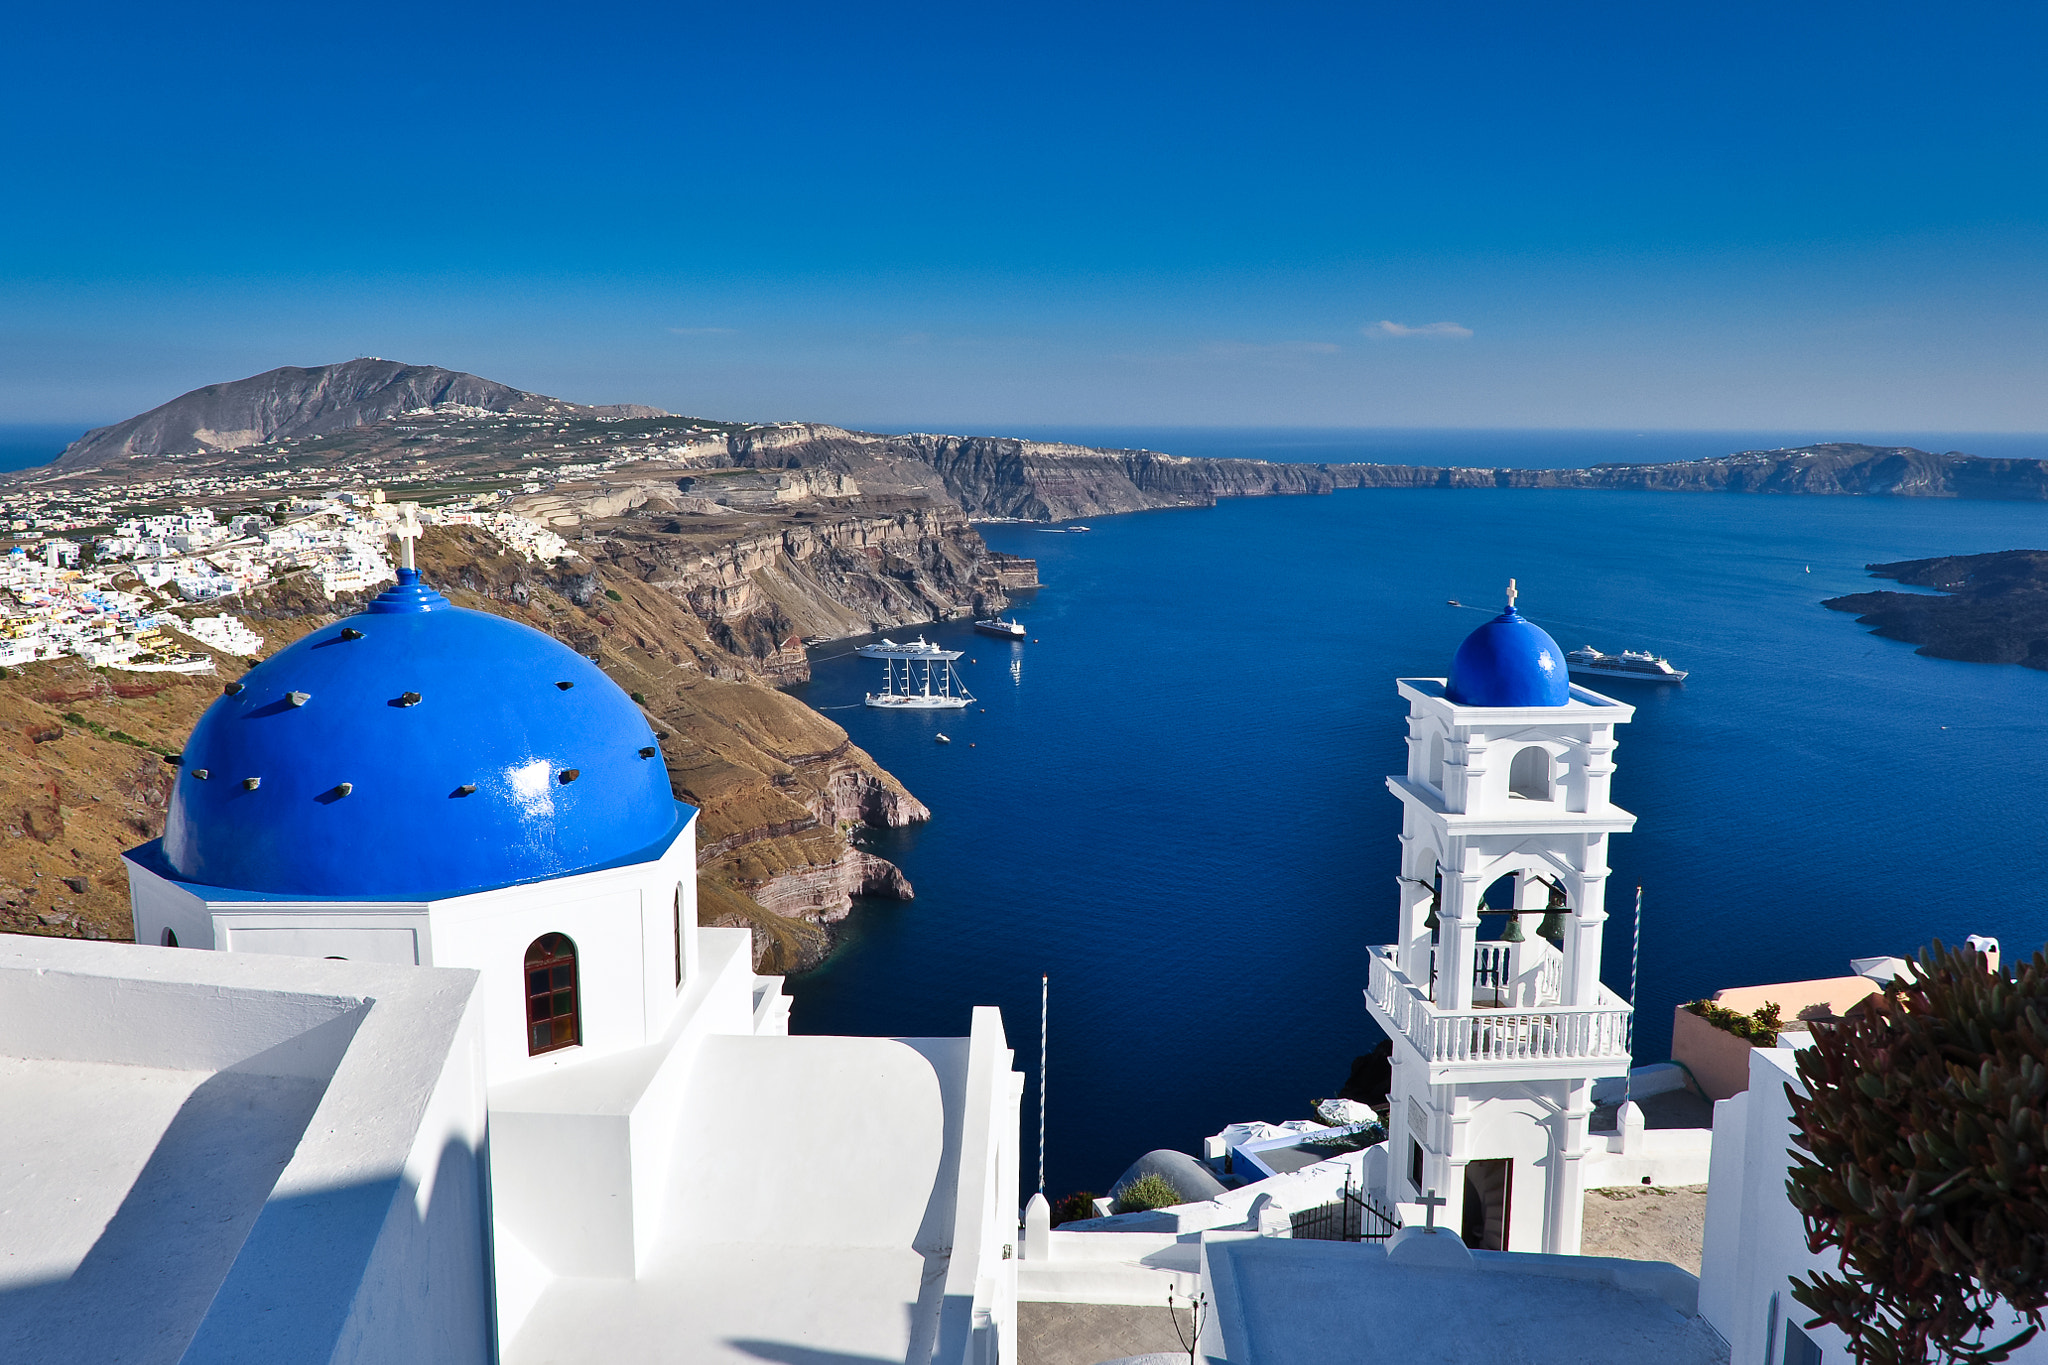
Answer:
(1488, 1189)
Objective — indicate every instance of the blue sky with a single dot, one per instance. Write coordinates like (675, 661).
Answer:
(1728, 216)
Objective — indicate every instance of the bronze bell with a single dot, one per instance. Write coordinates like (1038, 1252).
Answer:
(1430, 921)
(1552, 927)
(1513, 933)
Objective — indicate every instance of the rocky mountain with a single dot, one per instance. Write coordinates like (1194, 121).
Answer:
(1994, 607)
(293, 402)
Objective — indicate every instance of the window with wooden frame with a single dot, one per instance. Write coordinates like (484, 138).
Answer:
(553, 1016)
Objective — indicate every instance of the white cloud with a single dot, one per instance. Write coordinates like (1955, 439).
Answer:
(1442, 330)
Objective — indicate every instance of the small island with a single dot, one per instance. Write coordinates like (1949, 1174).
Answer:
(1994, 607)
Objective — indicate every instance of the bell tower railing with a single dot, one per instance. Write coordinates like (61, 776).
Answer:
(1507, 1033)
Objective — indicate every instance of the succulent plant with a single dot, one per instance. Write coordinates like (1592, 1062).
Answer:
(1919, 1163)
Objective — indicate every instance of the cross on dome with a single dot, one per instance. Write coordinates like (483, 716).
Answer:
(407, 531)
(1512, 594)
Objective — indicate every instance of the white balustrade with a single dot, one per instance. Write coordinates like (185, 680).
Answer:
(1551, 1032)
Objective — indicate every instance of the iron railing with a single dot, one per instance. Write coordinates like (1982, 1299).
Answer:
(1353, 1216)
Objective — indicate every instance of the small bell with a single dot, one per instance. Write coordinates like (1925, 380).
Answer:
(1552, 927)
(1513, 933)
(1430, 921)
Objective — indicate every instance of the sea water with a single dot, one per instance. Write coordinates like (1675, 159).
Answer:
(1171, 799)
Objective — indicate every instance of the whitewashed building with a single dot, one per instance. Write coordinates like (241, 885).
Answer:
(1497, 1041)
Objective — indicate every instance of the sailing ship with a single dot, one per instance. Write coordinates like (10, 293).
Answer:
(919, 676)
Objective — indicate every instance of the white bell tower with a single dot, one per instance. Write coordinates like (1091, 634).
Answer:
(1497, 1040)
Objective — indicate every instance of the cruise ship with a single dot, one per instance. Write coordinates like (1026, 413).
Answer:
(1639, 664)
(1008, 630)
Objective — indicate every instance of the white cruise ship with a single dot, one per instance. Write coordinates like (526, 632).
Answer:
(1639, 664)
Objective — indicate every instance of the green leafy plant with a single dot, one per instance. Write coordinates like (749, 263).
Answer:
(1150, 1191)
(1760, 1028)
(613, 595)
(1920, 1139)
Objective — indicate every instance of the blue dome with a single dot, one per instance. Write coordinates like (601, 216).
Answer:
(417, 750)
(1509, 661)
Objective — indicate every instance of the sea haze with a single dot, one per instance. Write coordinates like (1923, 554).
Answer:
(1174, 802)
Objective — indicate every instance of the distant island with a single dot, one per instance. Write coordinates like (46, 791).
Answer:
(1994, 609)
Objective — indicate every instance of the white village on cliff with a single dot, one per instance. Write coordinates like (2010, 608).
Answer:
(420, 1054)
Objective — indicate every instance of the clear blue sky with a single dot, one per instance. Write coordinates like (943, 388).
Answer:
(1823, 217)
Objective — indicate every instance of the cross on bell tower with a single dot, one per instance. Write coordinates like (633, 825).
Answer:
(1497, 1041)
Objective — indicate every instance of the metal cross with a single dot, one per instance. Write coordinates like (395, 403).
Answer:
(407, 532)
(1432, 1202)
(1512, 594)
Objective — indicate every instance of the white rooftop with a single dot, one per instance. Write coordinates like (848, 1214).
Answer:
(163, 1111)
(1281, 1299)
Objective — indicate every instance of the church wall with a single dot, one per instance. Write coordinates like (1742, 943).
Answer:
(621, 921)
(157, 905)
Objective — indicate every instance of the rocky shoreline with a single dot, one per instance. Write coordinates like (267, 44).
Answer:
(1994, 607)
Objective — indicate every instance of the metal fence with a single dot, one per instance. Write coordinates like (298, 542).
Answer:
(1354, 1216)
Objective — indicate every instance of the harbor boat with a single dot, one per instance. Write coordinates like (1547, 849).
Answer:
(918, 676)
(1076, 530)
(1009, 630)
(1638, 664)
(942, 738)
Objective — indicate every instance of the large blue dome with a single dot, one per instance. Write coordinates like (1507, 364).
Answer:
(1509, 661)
(417, 750)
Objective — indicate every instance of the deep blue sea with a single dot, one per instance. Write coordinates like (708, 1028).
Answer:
(1173, 802)
(24, 446)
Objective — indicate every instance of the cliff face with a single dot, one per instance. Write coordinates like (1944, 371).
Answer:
(1028, 480)
(291, 402)
(1995, 609)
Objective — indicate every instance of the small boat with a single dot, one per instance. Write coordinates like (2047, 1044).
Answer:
(942, 739)
(1076, 530)
(1009, 630)
(1453, 602)
(1638, 664)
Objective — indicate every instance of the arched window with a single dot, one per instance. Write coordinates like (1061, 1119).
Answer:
(170, 938)
(1436, 762)
(1529, 774)
(679, 935)
(553, 1019)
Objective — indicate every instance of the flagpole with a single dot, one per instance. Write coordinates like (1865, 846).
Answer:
(1044, 1000)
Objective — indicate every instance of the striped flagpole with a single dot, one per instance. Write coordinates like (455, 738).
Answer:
(1044, 999)
(1635, 957)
